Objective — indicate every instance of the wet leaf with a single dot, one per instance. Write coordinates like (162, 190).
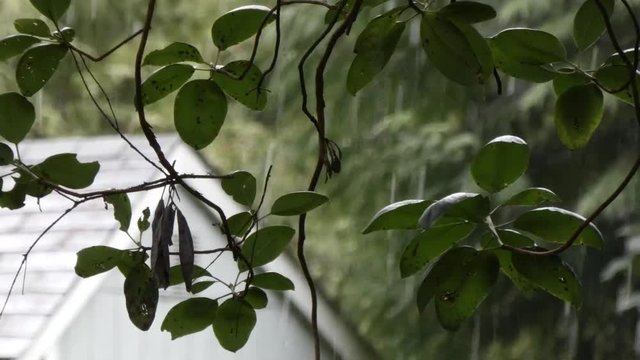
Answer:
(53, 9)
(297, 203)
(265, 245)
(241, 186)
(185, 241)
(402, 215)
(557, 225)
(245, 90)
(199, 112)
(173, 53)
(17, 116)
(235, 320)
(164, 81)
(239, 24)
(459, 206)
(500, 162)
(190, 316)
(256, 298)
(141, 293)
(121, 209)
(65, 170)
(34, 27)
(467, 11)
(272, 281)
(578, 114)
(530, 47)
(37, 65)
(588, 24)
(532, 197)
(15, 45)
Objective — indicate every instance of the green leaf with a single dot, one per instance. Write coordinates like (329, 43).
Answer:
(239, 24)
(588, 24)
(247, 90)
(459, 282)
(131, 259)
(500, 162)
(176, 278)
(515, 68)
(265, 245)
(551, 274)
(190, 316)
(568, 78)
(459, 206)
(507, 268)
(402, 215)
(65, 34)
(615, 79)
(235, 320)
(241, 186)
(578, 114)
(456, 49)
(430, 244)
(374, 48)
(66, 170)
(164, 81)
(256, 297)
(97, 259)
(34, 27)
(37, 65)
(532, 197)
(121, 209)
(201, 286)
(272, 281)
(297, 203)
(468, 12)
(239, 223)
(173, 53)
(557, 225)
(141, 293)
(507, 236)
(17, 115)
(530, 47)
(53, 9)
(199, 112)
(13, 199)
(15, 45)
(6, 156)
(143, 221)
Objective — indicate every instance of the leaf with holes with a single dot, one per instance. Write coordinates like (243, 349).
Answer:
(458, 206)
(240, 24)
(430, 244)
(246, 90)
(500, 162)
(15, 45)
(297, 203)
(241, 186)
(141, 294)
(469, 12)
(532, 197)
(402, 215)
(121, 209)
(65, 170)
(234, 322)
(588, 24)
(578, 114)
(37, 65)
(265, 245)
(551, 274)
(190, 316)
(530, 47)
(17, 116)
(272, 281)
(557, 225)
(173, 53)
(34, 27)
(199, 112)
(164, 81)
(97, 259)
(53, 9)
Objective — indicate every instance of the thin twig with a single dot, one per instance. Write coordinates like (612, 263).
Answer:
(111, 51)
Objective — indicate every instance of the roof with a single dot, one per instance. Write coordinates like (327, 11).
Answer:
(46, 300)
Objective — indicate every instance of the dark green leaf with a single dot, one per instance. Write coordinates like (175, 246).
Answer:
(6, 155)
(264, 245)
(402, 215)
(430, 244)
(65, 34)
(190, 316)
(578, 114)
(141, 293)
(239, 24)
(272, 281)
(374, 48)
(459, 206)
(256, 298)
(174, 53)
(241, 185)
(17, 115)
(507, 268)
(15, 45)
(297, 203)
(143, 221)
(500, 162)
(567, 79)
(53, 9)
(588, 24)
(97, 259)
(176, 277)
(199, 112)
(456, 49)
(164, 81)
(13, 199)
(235, 320)
(557, 225)
(187, 255)
(247, 90)
(467, 11)
(239, 223)
(37, 65)
(121, 209)
(201, 286)
(535, 73)
(66, 170)
(532, 197)
(34, 27)
(529, 47)
(551, 274)
(615, 79)
(509, 237)
(131, 259)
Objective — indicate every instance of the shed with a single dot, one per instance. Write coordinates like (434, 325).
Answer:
(55, 315)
